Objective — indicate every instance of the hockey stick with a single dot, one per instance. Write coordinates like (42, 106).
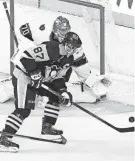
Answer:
(10, 23)
(36, 138)
(121, 130)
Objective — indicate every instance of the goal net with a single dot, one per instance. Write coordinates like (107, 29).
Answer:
(86, 21)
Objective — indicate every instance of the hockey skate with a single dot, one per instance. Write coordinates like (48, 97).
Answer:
(6, 145)
(49, 132)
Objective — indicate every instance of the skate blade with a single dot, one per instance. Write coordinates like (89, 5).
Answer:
(8, 149)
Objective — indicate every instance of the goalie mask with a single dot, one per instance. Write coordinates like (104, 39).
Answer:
(71, 42)
(60, 27)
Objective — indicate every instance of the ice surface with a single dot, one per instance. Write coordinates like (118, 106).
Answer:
(88, 138)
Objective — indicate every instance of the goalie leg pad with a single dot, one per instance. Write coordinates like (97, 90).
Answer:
(99, 89)
(6, 90)
(78, 95)
(99, 84)
(93, 79)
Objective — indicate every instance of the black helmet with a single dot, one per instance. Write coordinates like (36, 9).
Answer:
(72, 38)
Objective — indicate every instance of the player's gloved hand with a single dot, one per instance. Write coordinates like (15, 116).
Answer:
(36, 79)
(106, 82)
(66, 99)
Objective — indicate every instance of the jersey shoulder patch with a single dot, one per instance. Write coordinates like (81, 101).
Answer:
(26, 31)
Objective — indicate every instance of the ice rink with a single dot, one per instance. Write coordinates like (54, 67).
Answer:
(88, 138)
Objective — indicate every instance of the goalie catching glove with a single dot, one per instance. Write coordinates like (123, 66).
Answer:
(66, 99)
(36, 79)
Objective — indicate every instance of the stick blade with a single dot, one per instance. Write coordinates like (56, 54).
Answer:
(128, 129)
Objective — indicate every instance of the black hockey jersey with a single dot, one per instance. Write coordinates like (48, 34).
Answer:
(79, 58)
(47, 58)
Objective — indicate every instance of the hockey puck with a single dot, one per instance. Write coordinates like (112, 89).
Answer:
(131, 119)
(42, 27)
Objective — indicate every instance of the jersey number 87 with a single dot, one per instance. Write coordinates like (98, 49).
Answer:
(38, 53)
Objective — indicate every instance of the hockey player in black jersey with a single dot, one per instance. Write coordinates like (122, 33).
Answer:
(92, 89)
(47, 63)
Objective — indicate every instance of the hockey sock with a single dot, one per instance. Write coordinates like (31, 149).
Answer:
(51, 112)
(13, 124)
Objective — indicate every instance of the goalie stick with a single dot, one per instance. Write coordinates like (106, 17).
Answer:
(121, 130)
(13, 31)
(10, 23)
(63, 141)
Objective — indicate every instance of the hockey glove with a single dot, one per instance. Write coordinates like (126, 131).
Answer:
(106, 82)
(66, 99)
(36, 79)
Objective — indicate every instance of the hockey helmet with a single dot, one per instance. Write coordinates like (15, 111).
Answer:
(61, 26)
(71, 42)
(73, 38)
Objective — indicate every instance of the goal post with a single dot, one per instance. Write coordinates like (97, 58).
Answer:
(76, 2)
(102, 28)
